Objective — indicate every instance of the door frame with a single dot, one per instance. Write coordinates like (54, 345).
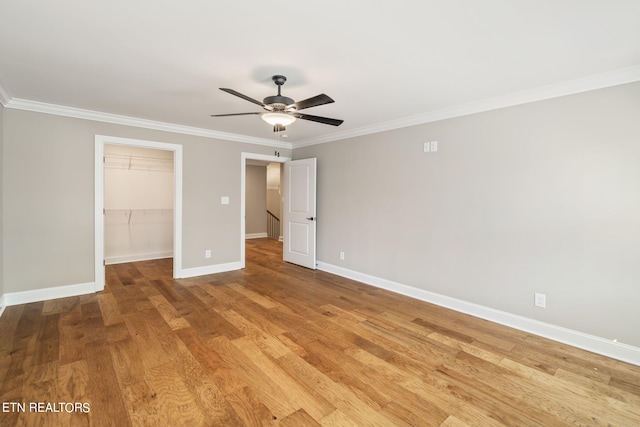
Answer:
(243, 188)
(100, 142)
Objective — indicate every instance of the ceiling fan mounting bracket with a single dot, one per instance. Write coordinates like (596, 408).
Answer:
(278, 102)
(279, 80)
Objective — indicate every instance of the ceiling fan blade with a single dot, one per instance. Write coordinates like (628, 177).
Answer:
(239, 95)
(312, 102)
(323, 120)
(234, 114)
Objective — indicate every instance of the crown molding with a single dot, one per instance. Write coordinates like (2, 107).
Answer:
(4, 96)
(59, 110)
(584, 84)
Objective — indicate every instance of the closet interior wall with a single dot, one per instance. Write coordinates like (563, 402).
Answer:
(138, 204)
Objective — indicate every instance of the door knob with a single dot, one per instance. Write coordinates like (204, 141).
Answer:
(311, 218)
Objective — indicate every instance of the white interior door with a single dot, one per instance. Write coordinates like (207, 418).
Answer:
(300, 212)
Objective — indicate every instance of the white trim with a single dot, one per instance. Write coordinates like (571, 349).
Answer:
(243, 175)
(98, 213)
(137, 257)
(209, 269)
(605, 347)
(255, 236)
(79, 113)
(44, 294)
(100, 141)
(2, 305)
(584, 84)
(4, 99)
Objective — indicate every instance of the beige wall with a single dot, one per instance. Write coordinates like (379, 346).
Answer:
(256, 200)
(542, 197)
(49, 197)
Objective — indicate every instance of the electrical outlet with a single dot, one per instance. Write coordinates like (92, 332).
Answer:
(342, 255)
(540, 300)
(207, 253)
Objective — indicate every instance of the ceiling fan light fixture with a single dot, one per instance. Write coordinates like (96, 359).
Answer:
(278, 119)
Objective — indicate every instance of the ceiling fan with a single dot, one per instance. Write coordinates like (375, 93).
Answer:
(281, 111)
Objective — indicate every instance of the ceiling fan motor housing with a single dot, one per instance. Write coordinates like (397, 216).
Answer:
(278, 102)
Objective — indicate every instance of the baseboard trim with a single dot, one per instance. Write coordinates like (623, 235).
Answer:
(595, 344)
(208, 269)
(137, 257)
(44, 294)
(256, 236)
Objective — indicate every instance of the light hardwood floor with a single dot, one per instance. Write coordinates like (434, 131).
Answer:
(277, 344)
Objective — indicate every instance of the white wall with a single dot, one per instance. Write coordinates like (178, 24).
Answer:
(274, 199)
(1, 208)
(274, 195)
(542, 197)
(138, 201)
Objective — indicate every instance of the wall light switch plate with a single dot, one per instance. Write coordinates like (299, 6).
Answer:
(427, 147)
(434, 146)
(540, 300)
(224, 200)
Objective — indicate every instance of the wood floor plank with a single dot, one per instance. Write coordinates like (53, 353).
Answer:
(71, 338)
(73, 379)
(204, 388)
(316, 406)
(275, 344)
(110, 310)
(174, 402)
(272, 394)
(104, 392)
(267, 342)
(250, 409)
(168, 312)
(337, 394)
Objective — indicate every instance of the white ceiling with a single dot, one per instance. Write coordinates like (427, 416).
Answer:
(386, 63)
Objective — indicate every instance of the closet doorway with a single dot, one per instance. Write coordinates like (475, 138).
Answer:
(138, 203)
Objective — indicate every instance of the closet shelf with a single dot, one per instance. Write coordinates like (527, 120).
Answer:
(128, 162)
(127, 212)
